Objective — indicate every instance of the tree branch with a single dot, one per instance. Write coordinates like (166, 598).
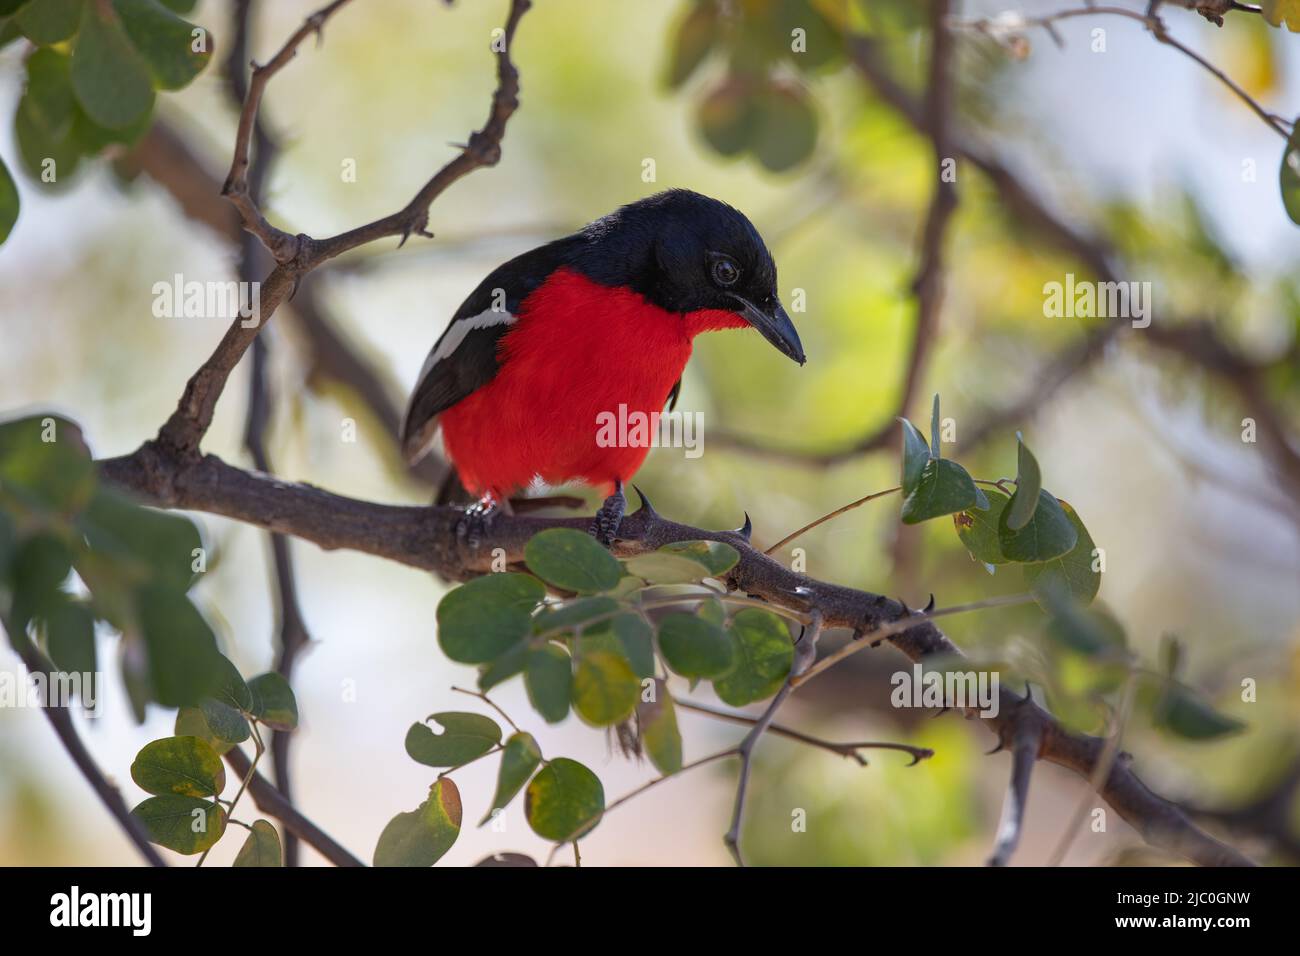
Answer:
(1026, 739)
(61, 720)
(187, 425)
(425, 538)
(293, 635)
(847, 749)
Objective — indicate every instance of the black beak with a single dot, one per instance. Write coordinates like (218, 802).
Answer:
(775, 326)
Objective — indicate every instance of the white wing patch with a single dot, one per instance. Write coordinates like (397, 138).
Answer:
(456, 333)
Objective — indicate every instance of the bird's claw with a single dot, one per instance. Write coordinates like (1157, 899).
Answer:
(476, 522)
(604, 527)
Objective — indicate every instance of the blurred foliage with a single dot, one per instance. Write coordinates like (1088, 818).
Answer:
(136, 564)
(92, 73)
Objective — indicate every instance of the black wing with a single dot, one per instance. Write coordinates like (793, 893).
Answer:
(466, 355)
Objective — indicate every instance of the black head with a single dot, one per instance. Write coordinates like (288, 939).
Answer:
(685, 252)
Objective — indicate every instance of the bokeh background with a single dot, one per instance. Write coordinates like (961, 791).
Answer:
(1137, 143)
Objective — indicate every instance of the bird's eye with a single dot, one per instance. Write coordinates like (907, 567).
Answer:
(725, 272)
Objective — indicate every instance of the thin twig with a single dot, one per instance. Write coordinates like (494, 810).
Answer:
(292, 627)
(842, 749)
(827, 517)
(61, 720)
(1157, 28)
(488, 700)
(297, 256)
(805, 653)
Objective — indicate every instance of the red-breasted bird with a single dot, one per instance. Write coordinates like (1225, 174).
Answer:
(575, 328)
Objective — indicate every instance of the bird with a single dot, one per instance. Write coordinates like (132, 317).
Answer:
(573, 329)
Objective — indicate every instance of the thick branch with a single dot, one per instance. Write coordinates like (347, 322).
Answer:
(425, 538)
(1025, 741)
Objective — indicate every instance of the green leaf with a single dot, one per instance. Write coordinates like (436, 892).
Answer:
(695, 36)
(915, 455)
(48, 160)
(187, 825)
(506, 666)
(763, 659)
(111, 80)
(41, 565)
(548, 680)
(182, 765)
(572, 561)
(231, 689)
(519, 759)
(564, 801)
(1049, 533)
(695, 648)
(465, 737)
(70, 637)
(711, 610)
(481, 620)
(657, 719)
(605, 690)
(164, 545)
(573, 614)
(165, 41)
(191, 722)
(48, 98)
(1029, 482)
(785, 127)
(422, 836)
(1185, 713)
(273, 701)
(1093, 633)
(8, 202)
(944, 487)
(1072, 571)
(727, 118)
(978, 530)
(224, 723)
(49, 21)
(184, 664)
(660, 567)
(44, 459)
(637, 640)
(261, 847)
(1289, 173)
(718, 556)
(91, 137)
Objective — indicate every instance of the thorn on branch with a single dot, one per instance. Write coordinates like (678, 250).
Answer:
(1027, 736)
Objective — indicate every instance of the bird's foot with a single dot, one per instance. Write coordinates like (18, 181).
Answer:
(604, 527)
(477, 521)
